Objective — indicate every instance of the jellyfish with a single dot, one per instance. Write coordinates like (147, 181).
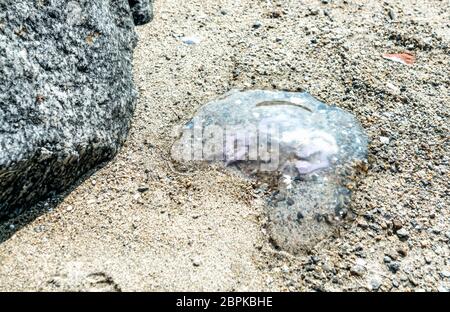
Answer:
(309, 147)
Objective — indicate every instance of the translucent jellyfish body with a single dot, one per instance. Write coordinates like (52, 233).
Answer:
(303, 150)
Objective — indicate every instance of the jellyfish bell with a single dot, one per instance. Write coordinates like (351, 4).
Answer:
(291, 138)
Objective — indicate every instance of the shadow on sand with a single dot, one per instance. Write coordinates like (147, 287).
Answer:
(19, 219)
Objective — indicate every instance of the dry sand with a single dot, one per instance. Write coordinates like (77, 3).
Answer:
(204, 230)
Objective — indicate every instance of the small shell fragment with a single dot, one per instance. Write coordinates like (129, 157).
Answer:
(403, 58)
(191, 40)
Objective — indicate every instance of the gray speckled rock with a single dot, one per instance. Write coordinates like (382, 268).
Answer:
(66, 92)
(142, 11)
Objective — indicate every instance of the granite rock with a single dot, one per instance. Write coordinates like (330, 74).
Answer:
(142, 11)
(66, 92)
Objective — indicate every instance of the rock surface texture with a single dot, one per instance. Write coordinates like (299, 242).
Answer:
(66, 92)
(142, 11)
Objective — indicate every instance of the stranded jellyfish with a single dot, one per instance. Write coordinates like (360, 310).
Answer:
(303, 151)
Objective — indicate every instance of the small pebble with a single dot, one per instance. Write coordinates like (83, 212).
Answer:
(196, 261)
(314, 12)
(403, 234)
(445, 274)
(397, 224)
(363, 224)
(391, 14)
(357, 270)
(394, 266)
(143, 188)
(402, 252)
(395, 283)
(39, 229)
(375, 283)
(384, 140)
(257, 25)
(191, 40)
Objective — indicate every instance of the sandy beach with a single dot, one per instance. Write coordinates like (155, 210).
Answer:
(138, 224)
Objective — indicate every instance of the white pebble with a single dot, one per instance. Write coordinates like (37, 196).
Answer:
(384, 140)
(191, 40)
